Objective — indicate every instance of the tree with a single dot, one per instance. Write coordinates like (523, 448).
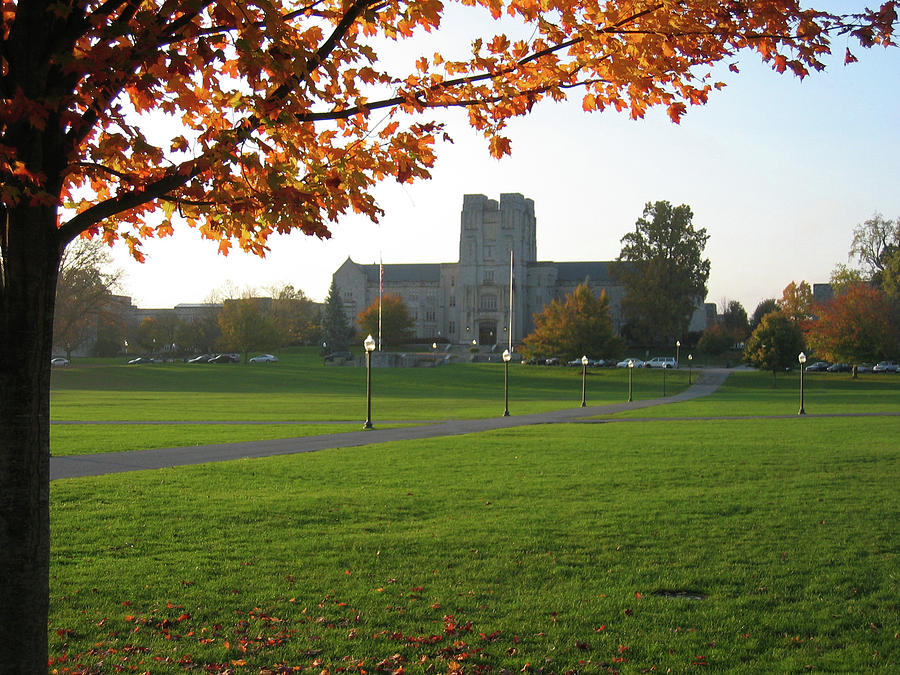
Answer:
(775, 344)
(735, 322)
(663, 272)
(84, 292)
(716, 340)
(764, 307)
(797, 302)
(854, 326)
(875, 243)
(396, 323)
(156, 334)
(336, 330)
(246, 326)
(297, 316)
(579, 325)
(283, 117)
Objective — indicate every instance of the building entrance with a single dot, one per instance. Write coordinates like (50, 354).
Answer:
(487, 333)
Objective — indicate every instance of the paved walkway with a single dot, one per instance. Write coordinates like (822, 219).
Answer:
(77, 466)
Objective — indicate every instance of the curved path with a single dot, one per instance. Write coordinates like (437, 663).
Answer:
(77, 466)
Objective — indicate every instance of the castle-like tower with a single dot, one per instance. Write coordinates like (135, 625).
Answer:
(492, 237)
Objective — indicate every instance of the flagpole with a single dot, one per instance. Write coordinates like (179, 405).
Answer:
(380, 295)
(510, 301)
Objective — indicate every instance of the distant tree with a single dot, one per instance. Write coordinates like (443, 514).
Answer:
(875, 242)
(156, 334)
(84, 292)
(246, 326)
(297, 316)
(662, 268)
(396, 323)
(796, 302)
(855, 326)
(764, 307)
(579, 325)
(336, 329)
(735, 322)
(716, 340)
(775, 344)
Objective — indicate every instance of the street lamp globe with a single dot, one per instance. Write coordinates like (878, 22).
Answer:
(369, 344)
(506, 355)
(584, 360)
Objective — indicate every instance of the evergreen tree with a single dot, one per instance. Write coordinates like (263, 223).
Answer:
(336, 330)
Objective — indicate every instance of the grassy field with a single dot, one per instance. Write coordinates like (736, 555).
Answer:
(751, 545)
(738, 545)
(300, 389)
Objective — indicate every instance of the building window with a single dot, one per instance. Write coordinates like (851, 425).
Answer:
(489, 302)
(489, 276)
(452, 328)
(453, 300)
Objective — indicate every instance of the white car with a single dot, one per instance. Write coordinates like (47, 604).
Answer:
(264, 358)
(624, 363)
(59, 361)
(661, 362)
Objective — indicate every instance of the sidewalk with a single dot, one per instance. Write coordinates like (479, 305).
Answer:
(78, 466)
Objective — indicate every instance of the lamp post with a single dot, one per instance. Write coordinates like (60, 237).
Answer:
(802, 359)
(677, 350)
(369, 344)
(690, 363)
(630, 371)
(664, 369)
(506, 357)
(434, 351)
(584, 364)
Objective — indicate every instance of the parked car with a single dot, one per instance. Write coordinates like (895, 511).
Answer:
(552, 361)
(886, 367)
(864, 368)
(226, 358)
(142, 359)
(334, 356)
(203, 358)
(638, 363)
(839, 368)
(59, 361)
(264, 358)
(661, 362)
(817, 367)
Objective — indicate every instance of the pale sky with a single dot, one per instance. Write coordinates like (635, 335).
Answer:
(777, 170)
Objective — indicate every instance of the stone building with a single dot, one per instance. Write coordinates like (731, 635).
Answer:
(469, 300)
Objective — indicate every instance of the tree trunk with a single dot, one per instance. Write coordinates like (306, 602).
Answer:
(29, 258)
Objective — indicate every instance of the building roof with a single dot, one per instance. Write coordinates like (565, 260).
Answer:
(598, 272)
(398, 273)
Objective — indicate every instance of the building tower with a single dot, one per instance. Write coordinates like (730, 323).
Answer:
(488, 233)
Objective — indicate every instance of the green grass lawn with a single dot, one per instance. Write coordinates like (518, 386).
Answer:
(748, 392)
(741, 545)
(301, 389)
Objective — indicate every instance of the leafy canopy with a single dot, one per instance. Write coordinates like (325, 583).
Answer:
(248, 118)
(775, 344)
(664, 273)
(580, 325)
(396, 323)
(855, 326)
